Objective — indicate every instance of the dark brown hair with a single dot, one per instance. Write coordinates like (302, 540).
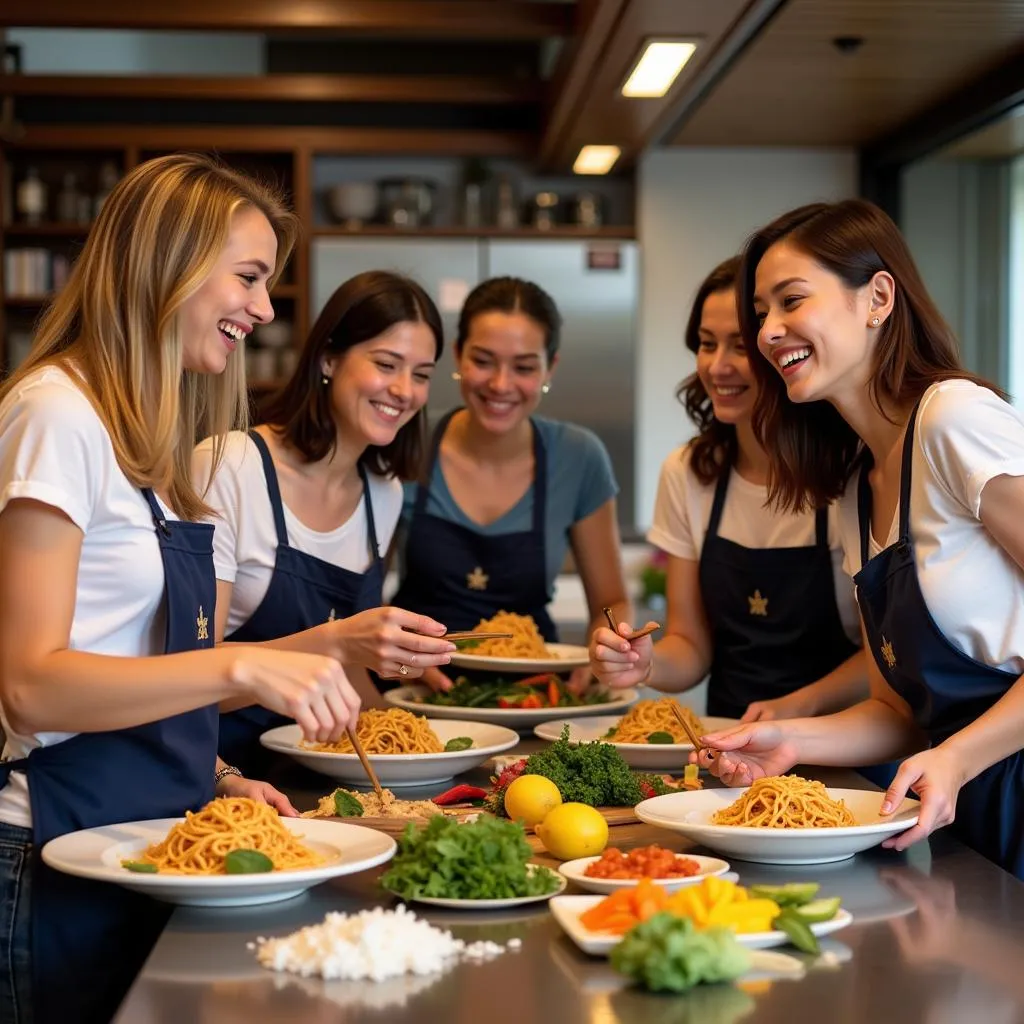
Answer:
(364, 307)
(512, 295)
(714, 448)
(812, 448)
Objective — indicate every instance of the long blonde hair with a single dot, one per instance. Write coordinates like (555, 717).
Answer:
(115, 325)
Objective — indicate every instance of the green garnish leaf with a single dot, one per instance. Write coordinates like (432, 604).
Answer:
(458, 743)
(797, 930)
(247, 862)
(142, 867)
(346, 805)
(660, 737)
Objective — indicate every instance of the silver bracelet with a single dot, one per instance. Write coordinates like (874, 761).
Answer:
(224, 773)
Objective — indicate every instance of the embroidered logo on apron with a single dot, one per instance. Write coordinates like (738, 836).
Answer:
(758, 604)
(202, 622)
(888, 653)
(477, 579)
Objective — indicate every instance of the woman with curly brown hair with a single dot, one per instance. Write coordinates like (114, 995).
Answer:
(755, 597)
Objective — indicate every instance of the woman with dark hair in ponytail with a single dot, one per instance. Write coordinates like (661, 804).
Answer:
(757, 598)
(507, 493)
(307, 503)
(863, 397)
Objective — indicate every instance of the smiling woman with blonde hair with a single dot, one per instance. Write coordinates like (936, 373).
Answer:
(105, 567)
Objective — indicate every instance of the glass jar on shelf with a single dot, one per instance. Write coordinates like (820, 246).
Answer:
(31, 198)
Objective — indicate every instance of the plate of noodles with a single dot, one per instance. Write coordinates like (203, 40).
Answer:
(194, 861)
(648, 736)
(781, 819)
(525, 651)
(414, 698)
(405, 749)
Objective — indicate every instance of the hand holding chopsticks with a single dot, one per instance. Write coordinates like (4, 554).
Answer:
(636, 634)
(688, 729)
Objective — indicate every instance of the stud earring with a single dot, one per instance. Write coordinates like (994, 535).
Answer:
(456, 375)
(325, 379)
(874, 321)
(545, 388)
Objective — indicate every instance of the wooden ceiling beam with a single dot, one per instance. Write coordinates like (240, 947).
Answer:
(471, 19)
(459, 89)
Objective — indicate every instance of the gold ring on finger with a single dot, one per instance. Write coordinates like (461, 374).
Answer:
(403, 670)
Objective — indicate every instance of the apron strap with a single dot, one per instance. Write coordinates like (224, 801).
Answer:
(159, 517)
(423, 485)
(273, 488)
(821, 527)
(540, 484)
(371, 528)
(719, 501)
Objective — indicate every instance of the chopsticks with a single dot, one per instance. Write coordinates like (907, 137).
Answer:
(636, 634)
(367, 767)
(469, 634)
(690, 734)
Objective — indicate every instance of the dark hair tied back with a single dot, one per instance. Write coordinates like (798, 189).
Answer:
(512, 295)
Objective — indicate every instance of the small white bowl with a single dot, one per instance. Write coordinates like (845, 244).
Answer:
(575, 870)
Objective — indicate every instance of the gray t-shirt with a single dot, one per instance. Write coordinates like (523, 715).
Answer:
(580, 480)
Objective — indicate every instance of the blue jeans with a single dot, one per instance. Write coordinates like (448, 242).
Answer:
(15, 929)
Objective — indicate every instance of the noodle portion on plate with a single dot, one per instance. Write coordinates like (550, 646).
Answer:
(647, 717)
(199, 844)
(373, 807)
(785, 801)
(525, 642)
(387, 731)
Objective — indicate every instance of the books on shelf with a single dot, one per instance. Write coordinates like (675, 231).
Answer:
(34, 273)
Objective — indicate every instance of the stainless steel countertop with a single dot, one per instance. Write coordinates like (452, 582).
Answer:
(938, 937)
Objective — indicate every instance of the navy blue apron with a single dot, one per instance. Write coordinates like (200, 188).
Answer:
(945, 688)
(775, 626)
(304, 591)
(90, 939)
(459, 576)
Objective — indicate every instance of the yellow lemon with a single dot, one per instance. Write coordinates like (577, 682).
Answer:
(529, 798)
(573, 830)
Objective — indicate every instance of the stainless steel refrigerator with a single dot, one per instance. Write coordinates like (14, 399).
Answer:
(595, 285)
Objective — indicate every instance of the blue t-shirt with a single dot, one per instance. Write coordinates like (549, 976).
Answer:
(580, 481)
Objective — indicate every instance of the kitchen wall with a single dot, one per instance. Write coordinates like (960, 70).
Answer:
(695, 208)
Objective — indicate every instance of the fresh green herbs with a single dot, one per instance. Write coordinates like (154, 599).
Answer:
(142, 867)
(346, 805)
(511, 693)
(660, 737)
(247, 862)
(666, 953)
(458, 743)
(483, 859)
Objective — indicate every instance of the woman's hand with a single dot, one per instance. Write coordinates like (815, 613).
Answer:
(311, 688)
(264, 792)
(792, 705)
(579, 680)
(936, 776)
(618, 662)
(436, 680)
(390, 639)
(739, 756)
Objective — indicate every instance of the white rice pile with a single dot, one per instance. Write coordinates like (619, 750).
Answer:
(375, 944)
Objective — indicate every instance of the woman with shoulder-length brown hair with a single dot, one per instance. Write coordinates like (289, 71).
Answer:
(307, 502)
(108, 695)
(756, 597)
(863, 396)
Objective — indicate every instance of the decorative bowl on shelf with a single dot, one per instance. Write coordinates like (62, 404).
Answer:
(353, 202)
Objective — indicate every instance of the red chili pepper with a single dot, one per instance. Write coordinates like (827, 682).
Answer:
(554, 694)
(459, 794)
(539, 680)
(532, 701)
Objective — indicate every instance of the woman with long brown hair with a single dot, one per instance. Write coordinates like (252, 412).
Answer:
(863, 397)
(757, 598)
(108, 695)
(307, 502)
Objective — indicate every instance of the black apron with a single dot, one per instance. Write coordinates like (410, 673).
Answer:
(459, 576)
(90, 939)
(304, 591)
(945, 688)
(775, 626)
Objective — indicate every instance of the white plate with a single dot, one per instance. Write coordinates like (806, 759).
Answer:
(567, 911)
(565, 657)
(97, 853)
(515, 901)
(650, 756)
(575, 871)
(396, 770)
(514, 718)
(690, 813)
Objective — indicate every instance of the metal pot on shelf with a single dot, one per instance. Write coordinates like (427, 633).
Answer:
(408, 202)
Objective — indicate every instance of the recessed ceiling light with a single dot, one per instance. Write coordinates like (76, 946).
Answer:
(657, 68)
(596, 159)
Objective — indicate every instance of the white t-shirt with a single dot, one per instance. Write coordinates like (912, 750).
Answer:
(245, 540)
(683, 507)
(54, 449)
(964, 436)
